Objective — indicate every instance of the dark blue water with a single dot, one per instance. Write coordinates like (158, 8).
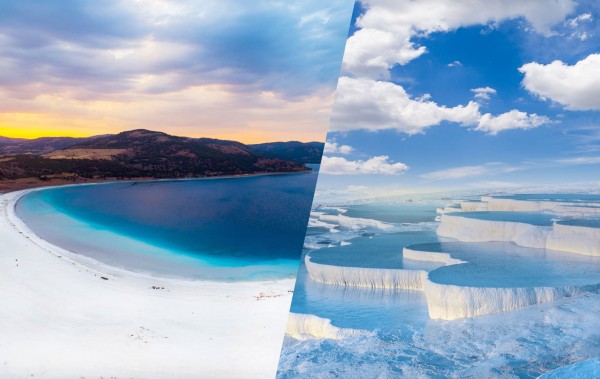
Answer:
(253, 224)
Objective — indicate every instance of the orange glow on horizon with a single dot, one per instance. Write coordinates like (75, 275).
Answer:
(35, 125)
(200, 111)
(246, 137)
(37, 133)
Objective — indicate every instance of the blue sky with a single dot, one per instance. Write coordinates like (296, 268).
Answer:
(251, 71)
(456, 100)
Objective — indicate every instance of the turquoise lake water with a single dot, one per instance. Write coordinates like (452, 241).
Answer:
(244, 228)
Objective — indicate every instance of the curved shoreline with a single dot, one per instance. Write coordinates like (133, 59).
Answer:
(141, 252)
(40, 185)
(88, 261)
(66, 315)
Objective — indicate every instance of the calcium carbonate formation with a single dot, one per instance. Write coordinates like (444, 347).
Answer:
(450, 302)
(366, 277)
(302, 326)
(578, 239)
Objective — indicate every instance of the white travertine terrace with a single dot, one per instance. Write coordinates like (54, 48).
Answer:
(305, 326)
(566, 238)
(567, 208)
(470, 206)
(444, 301)
(574, 239)
(418, 255)
(449, 302)
(383, 278)
(475, 230)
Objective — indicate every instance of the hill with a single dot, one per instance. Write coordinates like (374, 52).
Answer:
(140, 154)
(11, 146)
(294, 151)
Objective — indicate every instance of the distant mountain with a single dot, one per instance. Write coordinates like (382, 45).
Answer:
(145, 154)
(294, 151)
(228, 147)
(11, 146)
(10, 141)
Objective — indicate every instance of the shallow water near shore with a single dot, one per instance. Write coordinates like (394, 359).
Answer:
(226, 229)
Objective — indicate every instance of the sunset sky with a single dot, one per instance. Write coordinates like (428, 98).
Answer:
(249, 71)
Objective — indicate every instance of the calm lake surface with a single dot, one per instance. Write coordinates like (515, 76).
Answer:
(243, 228)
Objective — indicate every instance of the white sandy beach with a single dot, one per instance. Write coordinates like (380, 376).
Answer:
(60, 319)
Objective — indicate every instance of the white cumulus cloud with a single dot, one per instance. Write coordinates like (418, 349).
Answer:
(574, 22)
(483, 93)
(378, 105)
(375, 165)
(577, 86)
(388, 26)
(513, 119)
(334, 148)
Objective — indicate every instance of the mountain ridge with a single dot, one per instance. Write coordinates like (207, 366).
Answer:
(144, 154)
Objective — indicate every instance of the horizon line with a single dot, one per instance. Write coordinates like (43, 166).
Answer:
(29, 138)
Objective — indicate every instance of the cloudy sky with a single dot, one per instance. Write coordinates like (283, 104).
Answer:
(246, 70)
(443, 94)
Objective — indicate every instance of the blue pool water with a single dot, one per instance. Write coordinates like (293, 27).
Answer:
(591, 223)
(359, 308)
(403, 342)
(376, 251)
(554, 197)
(506, 265)
(411, 212)
(241, 228)
(533, 218)
(363, 308)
